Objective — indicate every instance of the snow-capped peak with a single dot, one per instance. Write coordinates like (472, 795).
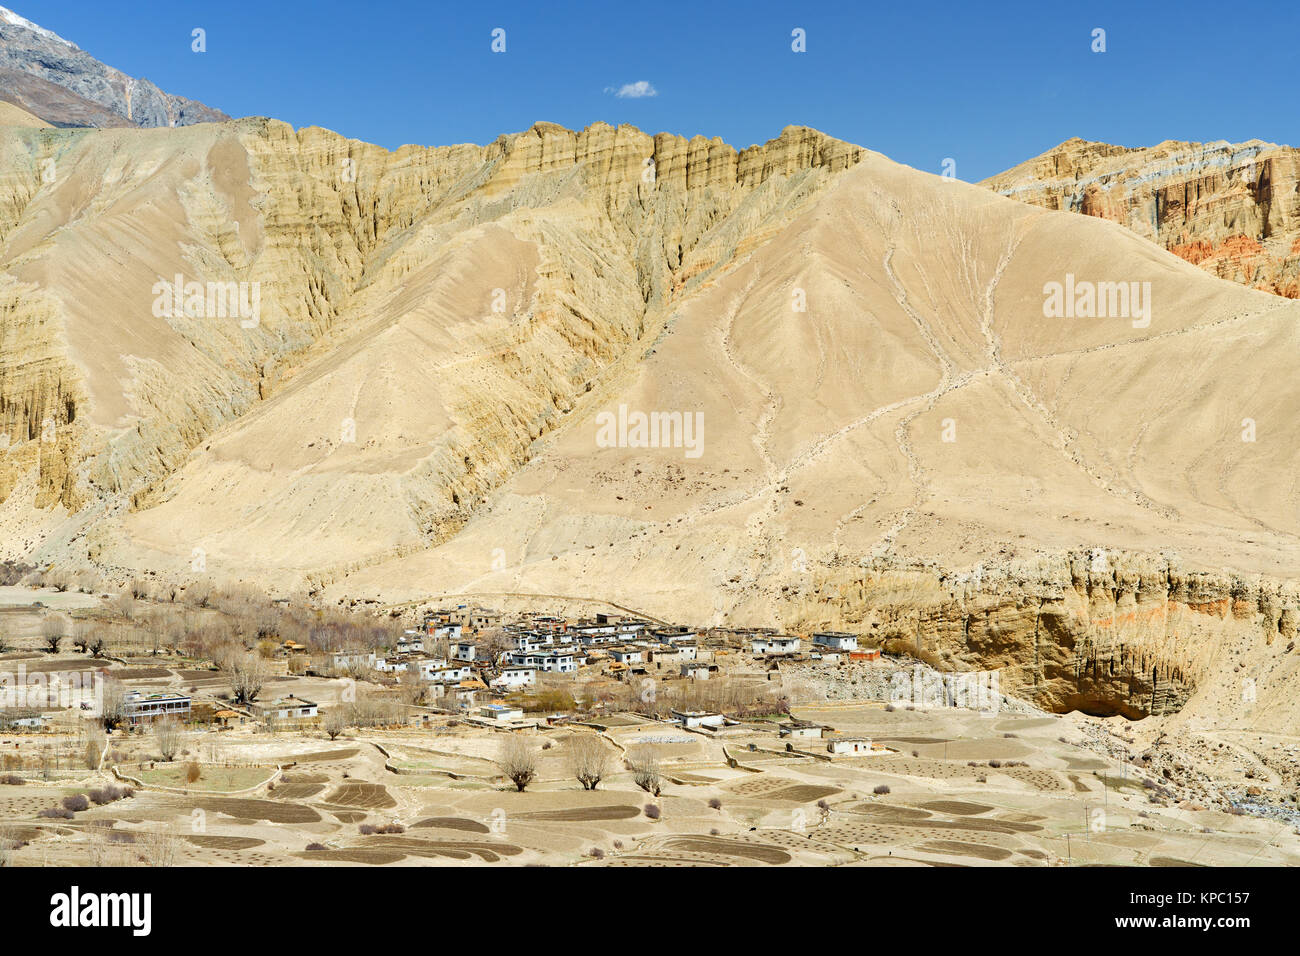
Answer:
(8, 16)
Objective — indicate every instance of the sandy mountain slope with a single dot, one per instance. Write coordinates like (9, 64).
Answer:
(1232, 209)
(824, 431)
(423, 316)
(11, 115)
(891, 428)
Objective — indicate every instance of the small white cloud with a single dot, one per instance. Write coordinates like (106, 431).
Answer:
(633, 91)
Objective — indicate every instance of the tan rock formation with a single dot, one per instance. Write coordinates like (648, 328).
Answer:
(1232, 209)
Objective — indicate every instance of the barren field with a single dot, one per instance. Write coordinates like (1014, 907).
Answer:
(982, 792)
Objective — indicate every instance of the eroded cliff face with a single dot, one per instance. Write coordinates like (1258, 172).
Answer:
(1102, 633)
(512, 275)
(1232, 209)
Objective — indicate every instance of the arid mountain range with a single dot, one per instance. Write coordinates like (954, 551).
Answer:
(999, 434)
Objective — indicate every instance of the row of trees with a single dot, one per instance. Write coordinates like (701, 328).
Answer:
(589, 762)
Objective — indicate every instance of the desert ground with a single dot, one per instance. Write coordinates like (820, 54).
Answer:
(1009, 785)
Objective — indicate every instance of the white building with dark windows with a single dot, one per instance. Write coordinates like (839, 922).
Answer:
(836, 640)
(549, 661)
(290, 708)
(137, 707)
(766, 645)
(627, 655)
(511, 678)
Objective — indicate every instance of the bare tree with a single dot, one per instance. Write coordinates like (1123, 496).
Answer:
(247, 673)
(588, 759)
(113, 707)
(81, 635)
(644, 764)
(411, 685)
(518, 761)
(167, 732)
(124, 605)
(95, 744)
(335, 721)
(495, 642)
(53, 631)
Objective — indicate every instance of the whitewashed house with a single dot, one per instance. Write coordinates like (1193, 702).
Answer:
(290, 708)
(501, 713)
(410, 642)
(801, 730)
(551, 661)
(445, 673)
(392, 665)
(836, 640)
(698, 718)
(450, 632)
(766, 645)
(512, 678)
(627, 655)
(847, 746)
(468, 651)
(343, 660)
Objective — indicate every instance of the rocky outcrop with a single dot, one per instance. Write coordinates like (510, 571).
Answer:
(1232, 209)
(1106, 634)
(63, 85)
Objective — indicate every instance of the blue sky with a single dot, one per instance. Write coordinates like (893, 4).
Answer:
(988, 84)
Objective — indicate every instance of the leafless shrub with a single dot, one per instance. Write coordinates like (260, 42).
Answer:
(76, 803)
(652, 811)
(159, 848)
(102, 796)
(881, 789)
(95, 745)
(9, 843)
